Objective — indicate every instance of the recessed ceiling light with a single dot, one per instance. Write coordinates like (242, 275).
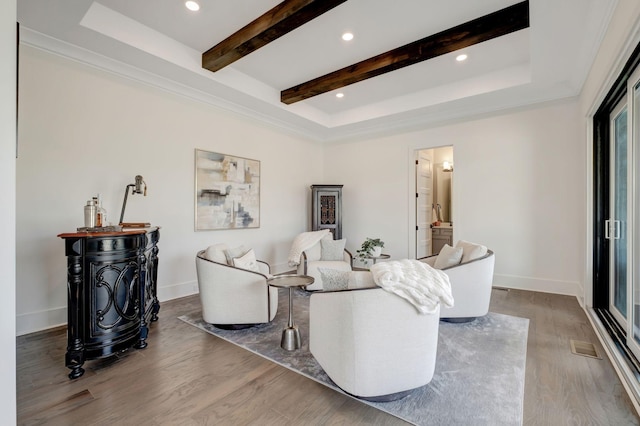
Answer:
(347, 36)
(461, 58)
(192, 5)
(340, 95)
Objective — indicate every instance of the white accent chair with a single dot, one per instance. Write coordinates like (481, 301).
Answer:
(373, 344)
(310, 261)
(231, 297)
(471, 284)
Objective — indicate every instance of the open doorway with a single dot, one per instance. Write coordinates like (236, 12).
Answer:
(434, 206)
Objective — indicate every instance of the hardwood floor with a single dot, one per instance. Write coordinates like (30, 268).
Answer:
(188, 377)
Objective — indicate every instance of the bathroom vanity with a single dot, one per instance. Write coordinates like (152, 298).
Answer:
(440, 235)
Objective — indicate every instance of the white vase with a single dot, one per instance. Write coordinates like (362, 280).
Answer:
(376, 251)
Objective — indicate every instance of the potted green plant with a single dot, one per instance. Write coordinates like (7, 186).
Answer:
(371, 247)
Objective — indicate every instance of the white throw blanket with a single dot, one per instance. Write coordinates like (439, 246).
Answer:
(417, 282)
(304, 241)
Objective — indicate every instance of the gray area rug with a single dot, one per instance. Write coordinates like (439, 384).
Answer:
(479, 376)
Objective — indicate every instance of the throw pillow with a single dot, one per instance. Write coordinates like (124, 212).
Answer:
(471, 251)
(361, 279)
(332, 249)
(448, 256)
(215, 253)
(235, 252)
(315, 252)
(247, 261)
(332, 279)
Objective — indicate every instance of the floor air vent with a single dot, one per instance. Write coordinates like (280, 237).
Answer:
(584, 349)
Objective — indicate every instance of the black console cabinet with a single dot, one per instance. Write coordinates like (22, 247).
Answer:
(112, 292)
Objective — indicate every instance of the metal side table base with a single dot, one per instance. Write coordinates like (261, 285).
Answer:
(291, 339)
(291, 335)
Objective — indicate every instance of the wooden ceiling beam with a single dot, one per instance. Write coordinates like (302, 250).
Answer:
(283, 18)
(502, 22)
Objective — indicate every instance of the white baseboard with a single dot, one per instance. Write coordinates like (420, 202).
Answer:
(580, 295)
(42, 320)
(568, 288)
(176, 291)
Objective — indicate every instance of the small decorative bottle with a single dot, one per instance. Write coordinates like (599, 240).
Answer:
(101, 213)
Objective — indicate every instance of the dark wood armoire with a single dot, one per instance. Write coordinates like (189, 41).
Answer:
(326, 209)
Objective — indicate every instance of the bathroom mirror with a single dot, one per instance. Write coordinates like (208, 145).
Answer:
(443, 180)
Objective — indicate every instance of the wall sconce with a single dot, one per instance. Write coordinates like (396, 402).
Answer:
(136, 189)
(447, 166)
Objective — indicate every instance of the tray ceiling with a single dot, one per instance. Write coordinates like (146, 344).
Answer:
(161, 42)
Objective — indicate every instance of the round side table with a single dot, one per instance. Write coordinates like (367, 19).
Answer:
(291, 339)
(376, 258)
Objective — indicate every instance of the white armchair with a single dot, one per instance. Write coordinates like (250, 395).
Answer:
(471, 284)
(311, 260)
(232, 297)
(373, 344)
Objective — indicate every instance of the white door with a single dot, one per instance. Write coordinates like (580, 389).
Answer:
(424, 203)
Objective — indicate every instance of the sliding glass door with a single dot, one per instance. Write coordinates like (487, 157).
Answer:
(633, 215)
(621, 223)
(616, 225)
(616, 217)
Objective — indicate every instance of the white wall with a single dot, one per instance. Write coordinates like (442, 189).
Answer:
(84, 131)
(518, 189)
(617, 45)
(7, 211)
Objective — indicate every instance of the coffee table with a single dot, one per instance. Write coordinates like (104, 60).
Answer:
(291, 339)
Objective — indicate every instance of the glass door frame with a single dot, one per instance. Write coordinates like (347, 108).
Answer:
(601, 168)
(613, 227)
(614, 338)
(633, 212)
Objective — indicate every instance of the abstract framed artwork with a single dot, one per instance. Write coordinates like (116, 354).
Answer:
(227, 191)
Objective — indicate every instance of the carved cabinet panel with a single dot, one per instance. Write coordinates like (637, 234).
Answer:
(326, 209)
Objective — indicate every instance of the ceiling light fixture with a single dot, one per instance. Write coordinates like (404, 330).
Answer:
(192, 5)
(461, 58)
(347, 36)
(340, 95)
